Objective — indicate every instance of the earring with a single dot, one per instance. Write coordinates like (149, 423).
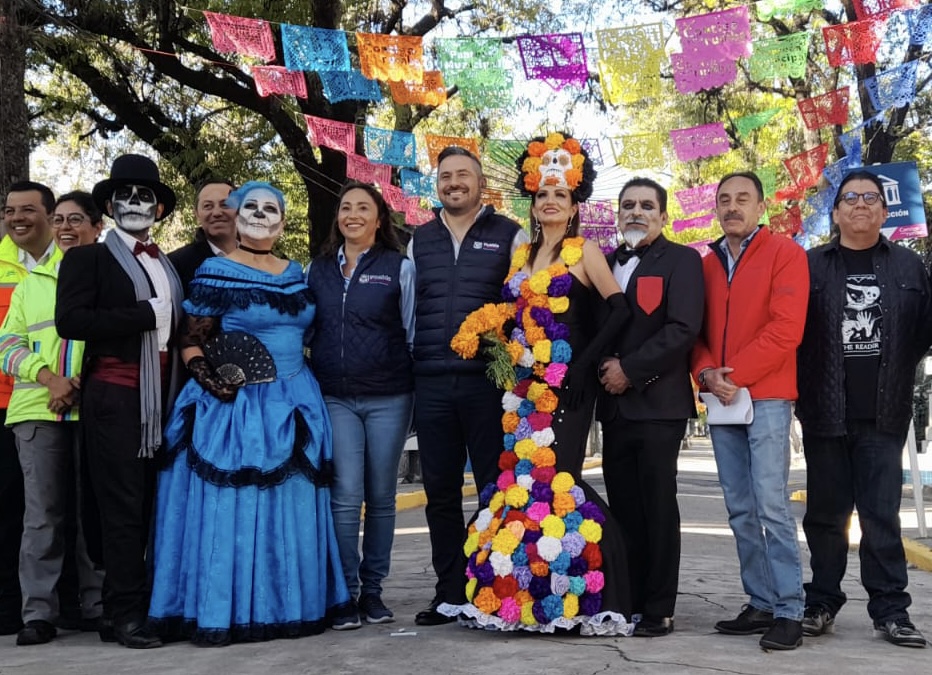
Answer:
(536, 227)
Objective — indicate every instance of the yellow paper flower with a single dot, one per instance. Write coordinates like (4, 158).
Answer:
(515, 350)
(570, 605)
(542, 351)
(472, 544)
(553, 526)
(505, 542)
(520, 258)
(554, 140)
(571, 254)
(539, 282)
(471, 588)
(562, 482)
(525, 448)
(591, 531)
(559, 305)
(516, 496)
(527, 614)
(497, 501)
(535, 391)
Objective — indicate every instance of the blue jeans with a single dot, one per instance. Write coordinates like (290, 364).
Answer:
(753, 469)
(368, 437)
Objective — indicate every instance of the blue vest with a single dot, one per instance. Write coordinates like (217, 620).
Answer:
(448, 290)
(359, 345)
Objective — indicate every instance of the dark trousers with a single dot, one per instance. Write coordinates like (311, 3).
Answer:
(639, 465)
(454, 414)
(124, 486)
(12, 506)
(863, 469)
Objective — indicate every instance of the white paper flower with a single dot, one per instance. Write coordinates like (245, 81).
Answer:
(525, 481)
(527, 358)
(543, 438)
(501, 564)
(549, 548)
(483, 520)
(510, 402)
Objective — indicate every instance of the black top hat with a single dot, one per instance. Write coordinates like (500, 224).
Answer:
(134, 170)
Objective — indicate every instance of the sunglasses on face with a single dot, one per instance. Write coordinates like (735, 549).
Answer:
(851, 198)
(126, 193)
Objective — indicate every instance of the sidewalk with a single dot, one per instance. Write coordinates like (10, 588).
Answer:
(710, 590)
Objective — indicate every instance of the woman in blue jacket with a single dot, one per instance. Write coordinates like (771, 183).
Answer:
(361, 355)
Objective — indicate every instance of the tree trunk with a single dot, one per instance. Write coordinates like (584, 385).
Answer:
(14, 124)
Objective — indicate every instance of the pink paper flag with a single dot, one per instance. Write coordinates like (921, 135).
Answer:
(363, 170)
(696, 199)
(394, 197)
(598, 213)
(237, 34)
(706, 140)
(701, 246)
(278, 80)
(693, 72)
(725, 34)
(415, 215)
(331, 134)
(697, 223)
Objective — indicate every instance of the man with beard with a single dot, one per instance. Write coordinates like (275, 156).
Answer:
(756, 291)
(27, 216)
(461, 258)
(216, 229)
(123, 298)
(648, 397)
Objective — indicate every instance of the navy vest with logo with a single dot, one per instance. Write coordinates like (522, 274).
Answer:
(448, 289)
(359, 345)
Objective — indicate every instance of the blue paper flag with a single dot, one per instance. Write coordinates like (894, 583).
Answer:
(308, 48)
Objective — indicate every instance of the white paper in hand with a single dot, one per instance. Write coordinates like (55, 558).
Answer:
(739, 411)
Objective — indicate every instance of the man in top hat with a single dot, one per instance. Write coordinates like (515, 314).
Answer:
(123, 298)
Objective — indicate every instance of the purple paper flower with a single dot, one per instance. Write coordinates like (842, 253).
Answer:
(531, 536)
(537, 609)
(579, 496)
(542, 492)
(578, 567)
(524, 430)
(471, 565)
(518, 336)
(558, 331)
(523, 576)
(573, 543)
(590, 604)
(560, 285)
(487, 493)
(592, 511)
(543, 317)
(485, 574)
(539, 587)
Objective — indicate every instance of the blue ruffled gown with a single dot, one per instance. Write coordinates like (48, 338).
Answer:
(244, 541)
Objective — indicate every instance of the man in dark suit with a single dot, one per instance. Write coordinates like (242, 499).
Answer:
(123, 298)
(216, 229)
(648, 397)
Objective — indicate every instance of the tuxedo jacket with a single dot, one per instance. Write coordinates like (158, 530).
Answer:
(189, 257)
(666, 296)
(96, 303)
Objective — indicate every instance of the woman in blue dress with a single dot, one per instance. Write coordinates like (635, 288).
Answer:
(244, 540)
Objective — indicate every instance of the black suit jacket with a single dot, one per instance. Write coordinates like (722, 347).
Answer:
(189, 257)
(96, 303)
(666, 295)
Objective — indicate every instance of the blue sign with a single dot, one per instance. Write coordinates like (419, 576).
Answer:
(906, 214)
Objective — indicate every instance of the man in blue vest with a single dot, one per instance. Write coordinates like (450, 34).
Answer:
(461, 259)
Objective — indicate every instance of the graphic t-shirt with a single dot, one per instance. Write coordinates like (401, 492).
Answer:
(861, 333)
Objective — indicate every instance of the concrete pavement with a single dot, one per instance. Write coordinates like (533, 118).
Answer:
(710, 590)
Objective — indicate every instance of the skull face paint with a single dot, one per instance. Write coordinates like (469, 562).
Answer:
(259, 216)
(135, 207)
(553, 167)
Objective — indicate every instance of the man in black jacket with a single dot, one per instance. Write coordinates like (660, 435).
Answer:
(648, 397)
(216, 229)
(867, 329)
(461, 259)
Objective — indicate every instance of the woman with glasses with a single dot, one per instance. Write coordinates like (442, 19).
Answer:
(43, 413)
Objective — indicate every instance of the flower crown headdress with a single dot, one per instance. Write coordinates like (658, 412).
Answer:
(557, 159)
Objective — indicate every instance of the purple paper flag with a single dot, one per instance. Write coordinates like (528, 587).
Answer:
(706, 140)
(697, 223)
(694, 72)
(557, 59)
(725, 34)
(697, 199)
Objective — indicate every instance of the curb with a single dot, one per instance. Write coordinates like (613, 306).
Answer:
(917, 554)
(418, 498)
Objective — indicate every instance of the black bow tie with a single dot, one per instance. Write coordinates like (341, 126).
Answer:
(625, 254)
(151, 249)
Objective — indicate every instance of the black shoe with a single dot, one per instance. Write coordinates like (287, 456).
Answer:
(346, 617)
(35, 633)
(431, 617)
(653, 627)
(373, 610)
(105, 630)
(10, 626)
(818, 621)
(901, 632)
(784, 634)
(751, 620)
(135, 635)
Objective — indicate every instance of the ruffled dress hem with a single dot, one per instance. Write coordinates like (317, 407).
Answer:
(177, 628)
(601, 624)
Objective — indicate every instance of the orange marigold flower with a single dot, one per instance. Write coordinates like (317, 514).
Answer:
(543, 457)
(536, 149)
(546, 402)
(510, 421)
(571, 145)
(540, 568)
(534, 334)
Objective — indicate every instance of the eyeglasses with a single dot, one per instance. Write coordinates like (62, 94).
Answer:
(73, 219)
(851, 198)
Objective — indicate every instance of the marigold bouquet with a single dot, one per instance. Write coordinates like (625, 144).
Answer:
(485, 328)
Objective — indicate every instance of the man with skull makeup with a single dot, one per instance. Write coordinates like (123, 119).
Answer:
(648, 397)
(123, 298)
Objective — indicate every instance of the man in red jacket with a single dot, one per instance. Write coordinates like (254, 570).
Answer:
(756, 292)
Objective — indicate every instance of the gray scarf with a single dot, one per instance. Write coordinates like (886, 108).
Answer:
(150, 376)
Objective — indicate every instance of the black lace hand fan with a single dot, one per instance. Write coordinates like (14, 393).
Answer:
(240, 358)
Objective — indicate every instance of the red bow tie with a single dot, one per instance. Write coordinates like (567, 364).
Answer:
(149, 248)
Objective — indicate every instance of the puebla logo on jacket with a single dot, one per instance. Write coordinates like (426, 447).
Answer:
(486, 246)
(377, 279)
